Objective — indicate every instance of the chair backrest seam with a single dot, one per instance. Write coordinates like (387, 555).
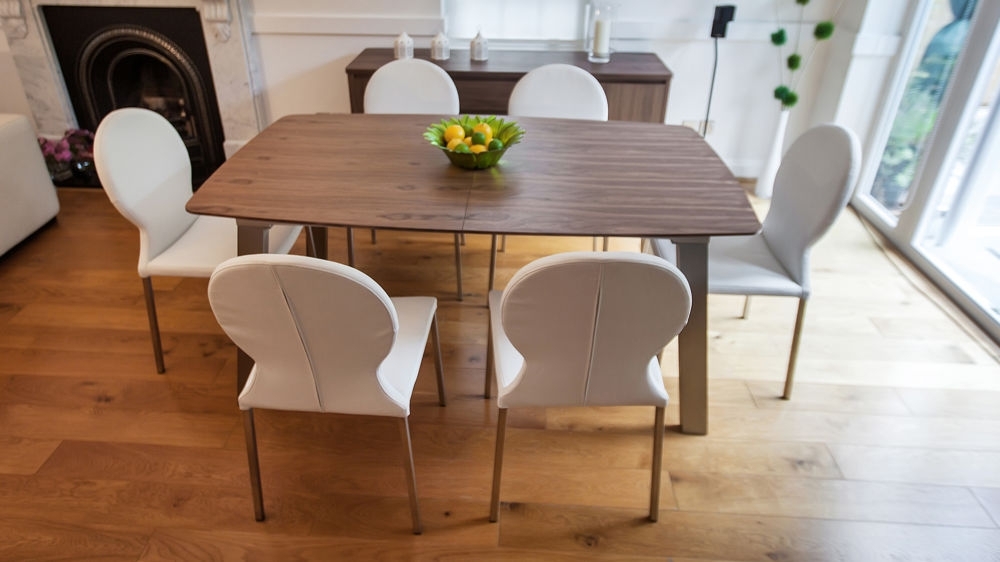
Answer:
(298, 332)
(593, 333)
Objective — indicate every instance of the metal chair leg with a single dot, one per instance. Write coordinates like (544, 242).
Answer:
(310, 242)
(746, 308)
(458, 263)
(503, 243)
(438, 364)
(154, 325)
(350, 246)
(411, 477)
(251, 439)
(498, 465)
(794, 356)
(606, 243)
(493, 263)
(373, 235)
(654, 490)
(488, 386)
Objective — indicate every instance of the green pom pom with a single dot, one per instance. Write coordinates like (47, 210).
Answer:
(779, 37)
(824, 30)
(787, 97)
(794, 61)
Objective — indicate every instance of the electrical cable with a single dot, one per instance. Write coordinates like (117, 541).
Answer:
(711, 89)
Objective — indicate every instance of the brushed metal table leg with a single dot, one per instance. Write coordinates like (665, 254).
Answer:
(692, 258)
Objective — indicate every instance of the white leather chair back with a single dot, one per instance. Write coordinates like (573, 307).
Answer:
(411, 86)
(588, 326)
(316, 330)
(559, 91)
(813, 184)
(146, 171)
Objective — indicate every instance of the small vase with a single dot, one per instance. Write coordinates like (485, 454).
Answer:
(403, 46)
(440, 48)
(83, 172)
(479, 48)
(60, 171)
(765, 181)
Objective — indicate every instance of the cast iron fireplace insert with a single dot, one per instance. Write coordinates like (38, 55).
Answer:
(156, 58)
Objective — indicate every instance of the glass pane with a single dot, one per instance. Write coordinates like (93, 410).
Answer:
(963, 235)
(943, 39)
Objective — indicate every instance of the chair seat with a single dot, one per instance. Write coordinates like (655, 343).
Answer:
(739, 265)
(399, 370)
(507, 361)
(208, 242)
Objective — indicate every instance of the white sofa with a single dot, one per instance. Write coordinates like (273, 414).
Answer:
(27, 197)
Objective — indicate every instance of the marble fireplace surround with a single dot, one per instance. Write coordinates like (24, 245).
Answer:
(49, 100)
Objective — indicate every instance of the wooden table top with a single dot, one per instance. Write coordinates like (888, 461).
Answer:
(566, 177)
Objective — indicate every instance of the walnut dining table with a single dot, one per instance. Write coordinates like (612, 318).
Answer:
(566, 178)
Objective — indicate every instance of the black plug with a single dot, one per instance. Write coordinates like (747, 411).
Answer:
(723, 15)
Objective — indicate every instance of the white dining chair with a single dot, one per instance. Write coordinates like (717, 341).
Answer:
(584, 329)
(419, 87)
(324, 337)
(145, 169)
(812, 186)
(560, 91)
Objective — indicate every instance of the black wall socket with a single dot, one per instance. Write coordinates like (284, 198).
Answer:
(723, 15)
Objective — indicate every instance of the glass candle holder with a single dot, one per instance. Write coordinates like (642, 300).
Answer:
(600, 21)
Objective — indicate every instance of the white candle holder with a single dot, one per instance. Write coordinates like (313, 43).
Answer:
(600, 21)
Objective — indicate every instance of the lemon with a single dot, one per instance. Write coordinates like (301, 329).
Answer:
(477, 148)
(485, 129)
(479, 137)
(455, 142)
(462, 148)
(468, 141)
(453, 132)
(495, 144)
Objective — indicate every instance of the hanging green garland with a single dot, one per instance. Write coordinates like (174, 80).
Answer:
(785, 93)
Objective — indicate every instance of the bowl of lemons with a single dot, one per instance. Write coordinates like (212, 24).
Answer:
(474, 143)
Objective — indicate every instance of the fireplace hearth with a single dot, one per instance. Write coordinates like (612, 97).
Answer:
(151, 57)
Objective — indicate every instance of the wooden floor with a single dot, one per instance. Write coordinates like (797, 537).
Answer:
(889, 450)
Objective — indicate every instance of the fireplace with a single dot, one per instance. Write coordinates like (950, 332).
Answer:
(150, 57)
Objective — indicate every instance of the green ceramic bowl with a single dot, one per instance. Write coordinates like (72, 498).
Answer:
(508, 132)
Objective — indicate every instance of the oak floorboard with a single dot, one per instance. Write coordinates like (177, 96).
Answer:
(162, 394)
(40, 539)
(196, 545)
(106, 362)
(615, 532)
(116, 425)
(952, 403)
(990, 498)
(19, 455)
(956, 467)
(832, 398)
(819, 498)
(145, 504)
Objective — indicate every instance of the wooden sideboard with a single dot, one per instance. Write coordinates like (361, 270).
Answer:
(637, 84)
